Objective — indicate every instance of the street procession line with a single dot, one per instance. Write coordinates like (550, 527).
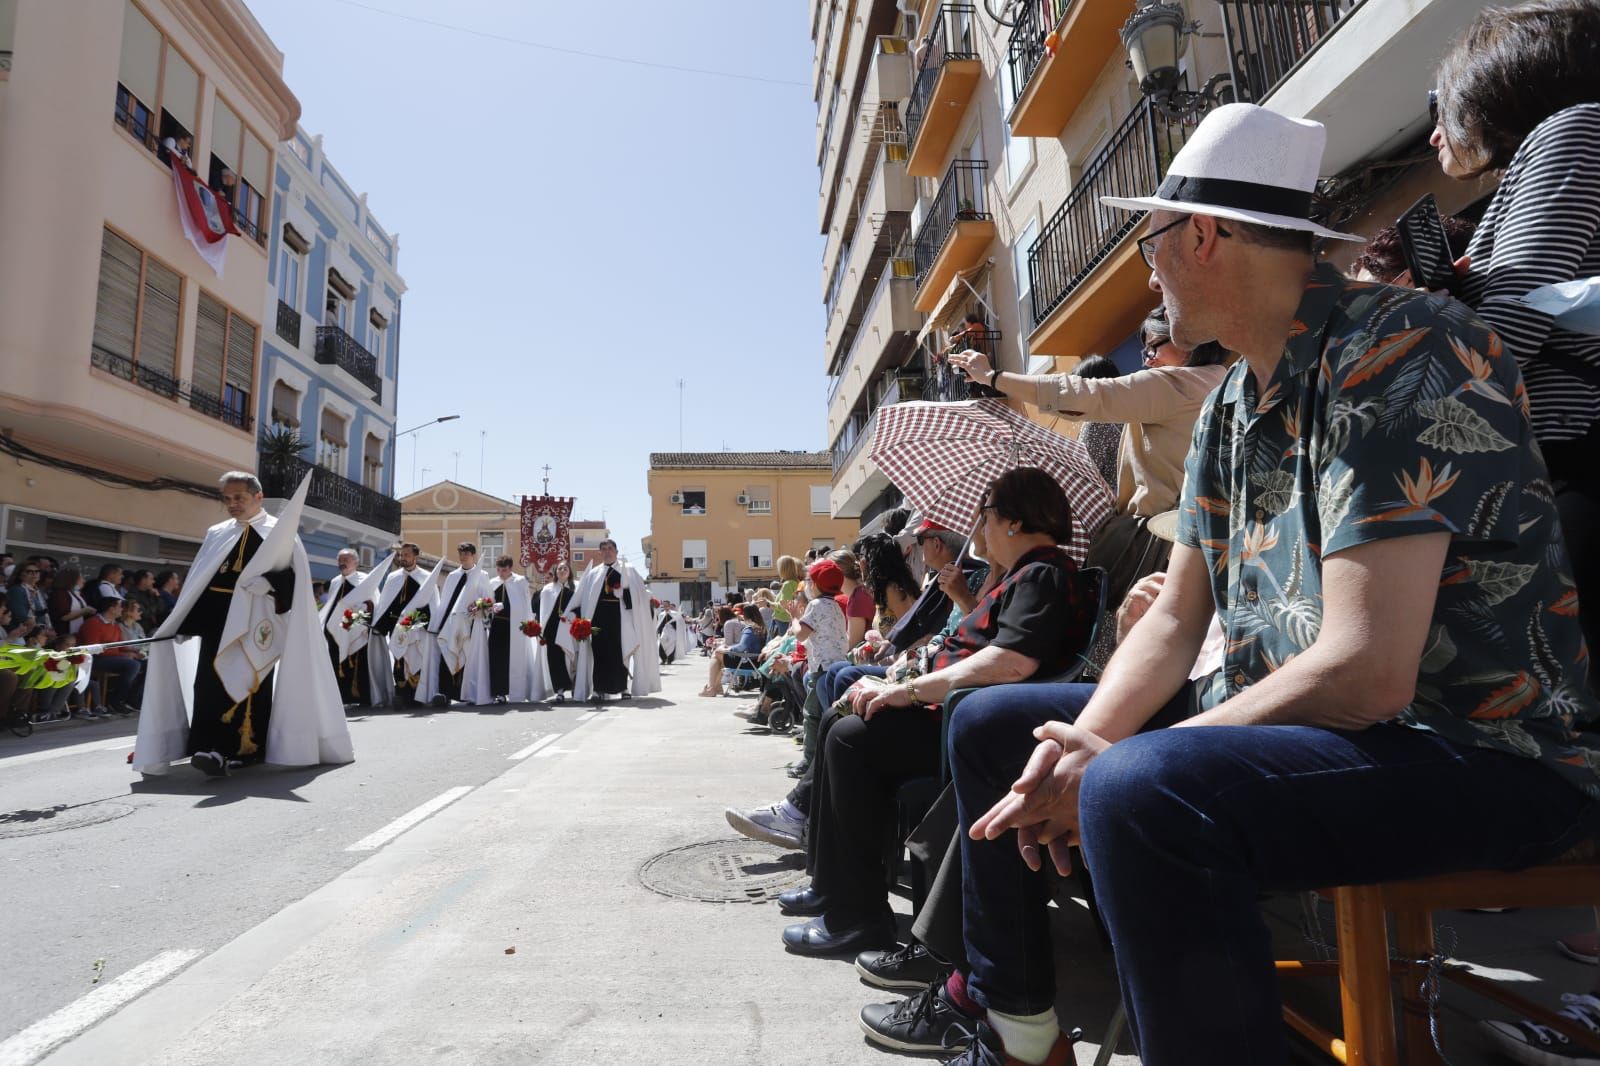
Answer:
(535, 746)
(374, 841)
(114, 744)
(48, 1033)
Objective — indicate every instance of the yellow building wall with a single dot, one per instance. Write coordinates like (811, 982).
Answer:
(727, 527)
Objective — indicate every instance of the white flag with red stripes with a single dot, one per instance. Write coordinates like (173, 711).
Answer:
(206, 217)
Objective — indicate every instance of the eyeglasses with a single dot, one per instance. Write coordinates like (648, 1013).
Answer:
(1147, 248)
(1433, 107)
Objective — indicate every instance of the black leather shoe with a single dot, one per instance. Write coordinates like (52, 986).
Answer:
(927, 1022)
(802, 902)
(815, 937)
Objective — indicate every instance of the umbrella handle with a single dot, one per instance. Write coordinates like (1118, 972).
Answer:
(965, 548)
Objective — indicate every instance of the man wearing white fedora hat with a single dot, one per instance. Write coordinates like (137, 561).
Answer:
(1401, 692)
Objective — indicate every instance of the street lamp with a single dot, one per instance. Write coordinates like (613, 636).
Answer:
(1156, 36)
(415, 429)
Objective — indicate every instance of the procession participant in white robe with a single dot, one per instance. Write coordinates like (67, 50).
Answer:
(351, 671)
(248, 598)
(410, 593)
(500, 666)
(452, 623)
(358, 644)
(552, 667)
(672, 636)
(613, 598)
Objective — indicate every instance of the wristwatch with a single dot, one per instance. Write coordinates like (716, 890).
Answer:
(994, 373)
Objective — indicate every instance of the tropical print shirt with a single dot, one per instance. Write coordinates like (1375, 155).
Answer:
(1394, 413)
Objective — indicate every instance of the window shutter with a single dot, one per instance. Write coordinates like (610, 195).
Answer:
(180, 95)
(241, 355)
(373, 449)
(141, 55)
(158, 325)
(333, 427)
(226, 132)
(285, 405)
(210, 346)
(254, 166)
(117, 299)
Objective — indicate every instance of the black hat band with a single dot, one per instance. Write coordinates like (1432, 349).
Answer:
(1238, 195)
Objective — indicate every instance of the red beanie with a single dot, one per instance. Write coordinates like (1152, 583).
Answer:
(827, 576)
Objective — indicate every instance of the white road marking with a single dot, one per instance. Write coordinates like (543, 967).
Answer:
(42, 1036)
(377, 840)
(547, 752)
(535, 746)
(114, 744)
(587, 716)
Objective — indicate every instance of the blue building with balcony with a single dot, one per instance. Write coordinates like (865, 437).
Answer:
(330, 363)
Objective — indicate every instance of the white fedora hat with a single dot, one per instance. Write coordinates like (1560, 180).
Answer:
(1245, 163)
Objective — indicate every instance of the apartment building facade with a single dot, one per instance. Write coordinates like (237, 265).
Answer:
(442, 515)
(331, 359)
(725, 517)
(963, 149)
(131, 369)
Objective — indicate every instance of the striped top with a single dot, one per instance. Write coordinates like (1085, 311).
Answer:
(1543, 226)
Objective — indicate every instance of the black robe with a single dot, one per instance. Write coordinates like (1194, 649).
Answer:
(610, 668)
(500, 645)
(231, 728)
(560, 673)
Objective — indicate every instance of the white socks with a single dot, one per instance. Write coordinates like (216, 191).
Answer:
(1028, 1038)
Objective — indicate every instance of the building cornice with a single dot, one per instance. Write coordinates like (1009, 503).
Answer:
(238, 37)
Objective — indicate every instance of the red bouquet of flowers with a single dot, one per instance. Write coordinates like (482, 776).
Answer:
(582, 629)
(531, 628)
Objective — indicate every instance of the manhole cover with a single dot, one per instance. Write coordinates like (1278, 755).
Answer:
(55, 819)
(724, 871)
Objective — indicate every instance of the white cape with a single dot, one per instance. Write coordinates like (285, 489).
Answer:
(638, 632)
(672, 635)
(380, 668)
(414, 645)
(307, 726)
(453, 632)
(476, 685)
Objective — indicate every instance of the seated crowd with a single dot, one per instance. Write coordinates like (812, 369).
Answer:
(1360, 658)
(55, 607)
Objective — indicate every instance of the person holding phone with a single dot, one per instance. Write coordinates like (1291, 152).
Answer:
(1517, 94)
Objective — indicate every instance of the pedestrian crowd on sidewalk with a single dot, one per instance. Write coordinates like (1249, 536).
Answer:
(1338, 632)
(55, 606)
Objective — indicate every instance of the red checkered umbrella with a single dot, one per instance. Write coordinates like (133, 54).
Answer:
(943, 455)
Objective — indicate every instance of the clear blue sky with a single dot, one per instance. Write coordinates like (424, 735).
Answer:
(578, 234)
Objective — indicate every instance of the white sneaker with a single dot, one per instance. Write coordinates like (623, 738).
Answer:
(770, 824)
(1539, 1045)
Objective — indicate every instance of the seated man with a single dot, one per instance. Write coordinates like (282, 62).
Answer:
(1036, 618)
(120, 665)
(1401, 693)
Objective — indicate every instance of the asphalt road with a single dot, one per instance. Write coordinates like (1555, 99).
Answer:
(192, 861)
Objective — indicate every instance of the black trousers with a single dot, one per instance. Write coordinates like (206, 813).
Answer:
(233, 730)
(861, 764)
(610, 671)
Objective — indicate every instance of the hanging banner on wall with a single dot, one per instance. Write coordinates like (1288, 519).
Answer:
(545, 531)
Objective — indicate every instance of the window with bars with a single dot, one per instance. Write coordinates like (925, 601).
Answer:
(240, 169)
(136, 315)
(223, 377)
(158, 89)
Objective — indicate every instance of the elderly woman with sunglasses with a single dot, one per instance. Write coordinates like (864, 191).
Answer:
(1157, 407)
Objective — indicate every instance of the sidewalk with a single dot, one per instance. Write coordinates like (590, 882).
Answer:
(404, 958)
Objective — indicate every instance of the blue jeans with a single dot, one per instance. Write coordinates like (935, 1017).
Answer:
(123, 670)
(1005, 923)
(1182, 828)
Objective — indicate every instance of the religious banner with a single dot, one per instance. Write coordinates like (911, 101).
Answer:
(206, 217)
(545, 536)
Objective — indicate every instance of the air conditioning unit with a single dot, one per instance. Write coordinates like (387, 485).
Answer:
(677, 497)
(742, 500)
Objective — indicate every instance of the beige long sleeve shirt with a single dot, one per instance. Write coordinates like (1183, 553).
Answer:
(1157, 406)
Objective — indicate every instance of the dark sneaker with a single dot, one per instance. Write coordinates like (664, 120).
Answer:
(985, 1048)
(928, 1021)
(769, 824)
(909, 967)
(1539, 1045)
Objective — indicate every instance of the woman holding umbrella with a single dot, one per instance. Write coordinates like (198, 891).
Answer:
(1158, 407)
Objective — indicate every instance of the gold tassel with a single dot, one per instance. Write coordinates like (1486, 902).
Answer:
(247, 740)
